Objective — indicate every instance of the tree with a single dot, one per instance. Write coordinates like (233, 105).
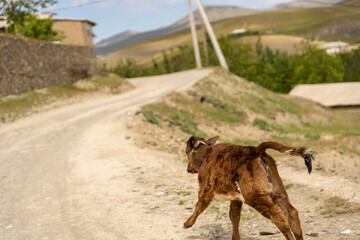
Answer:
(40, 29)
(20, 16)
(316, 66)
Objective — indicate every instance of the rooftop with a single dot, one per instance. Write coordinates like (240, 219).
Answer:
(75, 20)
(330, 94)
(337, 44)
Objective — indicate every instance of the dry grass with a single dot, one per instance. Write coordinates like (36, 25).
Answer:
(336, 205)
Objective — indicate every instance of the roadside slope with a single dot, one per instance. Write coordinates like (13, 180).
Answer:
(244, 113)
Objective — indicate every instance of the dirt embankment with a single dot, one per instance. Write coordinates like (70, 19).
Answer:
(328, 199)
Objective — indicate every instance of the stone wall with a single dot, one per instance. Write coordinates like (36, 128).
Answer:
(27, 64)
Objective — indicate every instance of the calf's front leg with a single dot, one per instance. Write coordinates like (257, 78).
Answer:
(235, 214)
(205, 198)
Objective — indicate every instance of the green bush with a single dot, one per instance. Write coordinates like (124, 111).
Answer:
(316, 66)
(34, 27)
(351, 63)
(274, 70)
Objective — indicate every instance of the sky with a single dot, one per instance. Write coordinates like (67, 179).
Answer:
(115, 16)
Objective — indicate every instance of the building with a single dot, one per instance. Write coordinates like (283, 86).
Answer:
(76, 31)
(335, 47)
(344, 94)
(238, 31)
(3, 24)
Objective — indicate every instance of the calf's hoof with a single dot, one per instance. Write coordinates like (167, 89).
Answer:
(188, 224)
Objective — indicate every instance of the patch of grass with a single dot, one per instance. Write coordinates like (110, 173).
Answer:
(12, 108)
(314, 136)
(337, 205)
(261, 124)
(183, 193)
(150, 117)
(289, 185)
(285, 105)
(214, 207)
(212, 108)
(256, 104)
(107, 81)
(222, 216)
(179, 117)
(64, 90)
(184, 122)
(315, 197)
(313, 130)
(181, 202)
(158, 185)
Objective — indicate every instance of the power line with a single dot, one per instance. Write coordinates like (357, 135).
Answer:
(78, 5)
(136, 20)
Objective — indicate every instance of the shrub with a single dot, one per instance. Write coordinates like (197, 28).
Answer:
(274, 70)
(40, 29)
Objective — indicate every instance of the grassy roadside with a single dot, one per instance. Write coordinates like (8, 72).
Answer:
(245, 113)
(17, 106)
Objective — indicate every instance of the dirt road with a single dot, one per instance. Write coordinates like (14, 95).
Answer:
(75, 173)
(72, 173)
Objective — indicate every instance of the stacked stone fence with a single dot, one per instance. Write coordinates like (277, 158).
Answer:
(27, 64)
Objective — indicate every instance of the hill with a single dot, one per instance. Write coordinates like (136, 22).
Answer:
(329, 23)
(215, 13)
(306, 4)
(116, 38)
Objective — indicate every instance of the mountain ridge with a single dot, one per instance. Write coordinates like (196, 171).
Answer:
(215, 13)
(306, 4)
(117, 37)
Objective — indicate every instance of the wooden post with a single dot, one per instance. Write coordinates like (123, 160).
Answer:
(212, 36)
(194, 37)
(206, 53)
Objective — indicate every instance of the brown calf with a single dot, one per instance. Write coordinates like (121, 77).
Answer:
(243, 174)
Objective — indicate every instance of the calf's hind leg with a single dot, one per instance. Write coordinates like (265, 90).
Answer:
(267, 208)
(235, 214)
(281, 199)
(292, 216)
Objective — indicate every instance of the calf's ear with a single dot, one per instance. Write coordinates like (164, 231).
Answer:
(192, 140)
(212, 141)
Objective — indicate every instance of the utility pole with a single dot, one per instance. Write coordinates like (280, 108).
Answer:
(206, 52)
(194, 37)
(212, 36)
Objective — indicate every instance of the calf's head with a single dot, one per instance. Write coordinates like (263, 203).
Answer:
(196, 149)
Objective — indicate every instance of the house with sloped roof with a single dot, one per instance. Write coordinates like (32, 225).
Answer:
(334, 47)
(75, 31)
(344, 94)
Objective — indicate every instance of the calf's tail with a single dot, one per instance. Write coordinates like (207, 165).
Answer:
(300, 152)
